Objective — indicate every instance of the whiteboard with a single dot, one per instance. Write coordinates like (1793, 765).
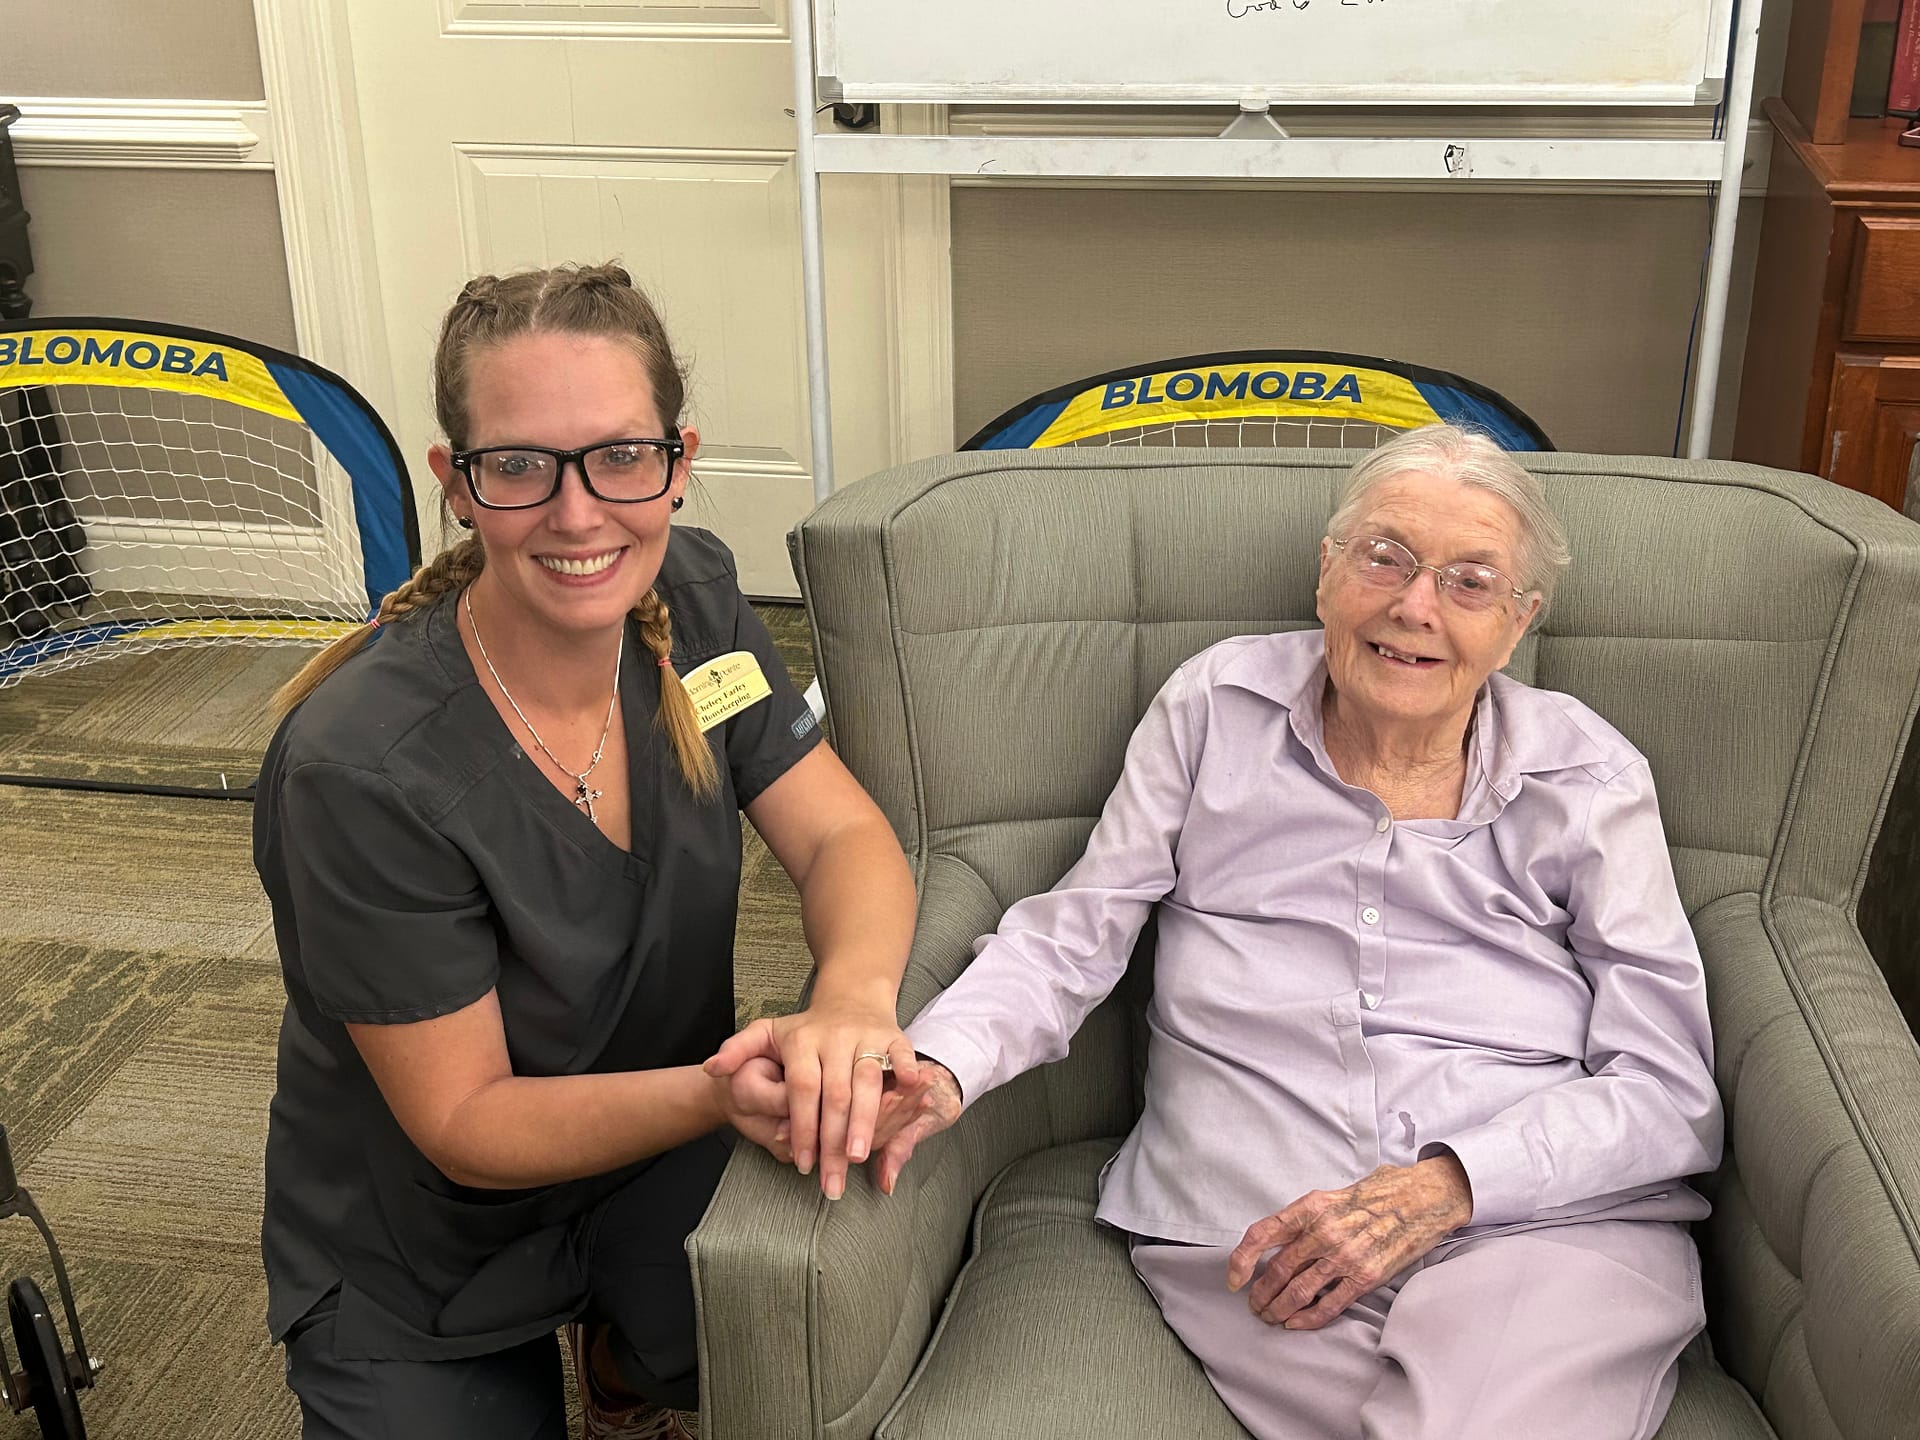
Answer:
(1400, 52)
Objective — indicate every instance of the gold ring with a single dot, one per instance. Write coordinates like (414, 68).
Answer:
(886, 1062)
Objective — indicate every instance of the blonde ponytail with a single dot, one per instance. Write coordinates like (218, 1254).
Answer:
(446, 572)
(676, 714)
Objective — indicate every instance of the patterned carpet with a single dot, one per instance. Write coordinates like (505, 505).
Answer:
(139, 1002)
(174, 717)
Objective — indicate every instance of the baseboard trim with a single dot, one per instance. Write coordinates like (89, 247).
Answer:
(287, 563)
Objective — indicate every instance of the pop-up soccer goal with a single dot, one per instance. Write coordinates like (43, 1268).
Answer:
(162, 486)
(1243, 398)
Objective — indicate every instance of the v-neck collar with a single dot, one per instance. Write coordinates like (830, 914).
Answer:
(506, 756)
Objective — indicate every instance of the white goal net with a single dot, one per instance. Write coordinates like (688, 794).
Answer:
(162, 487)
(1266, 432)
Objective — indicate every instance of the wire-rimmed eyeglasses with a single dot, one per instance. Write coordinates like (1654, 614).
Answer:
(519, 477)
(1389, 565)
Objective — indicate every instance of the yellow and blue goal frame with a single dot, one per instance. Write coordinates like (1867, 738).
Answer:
(1258, 385)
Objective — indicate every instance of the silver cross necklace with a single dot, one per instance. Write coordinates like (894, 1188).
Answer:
(583, 795)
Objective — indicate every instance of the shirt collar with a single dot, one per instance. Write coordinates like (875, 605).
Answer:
(1517, 730)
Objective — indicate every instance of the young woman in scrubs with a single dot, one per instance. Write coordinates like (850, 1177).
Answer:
(502, 846)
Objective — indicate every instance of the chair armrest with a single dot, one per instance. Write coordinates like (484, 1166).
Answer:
(1813, 1253)
(804, 1304)
(813, 1313)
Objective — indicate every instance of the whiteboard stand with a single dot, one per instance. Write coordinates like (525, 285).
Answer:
(1253, 146)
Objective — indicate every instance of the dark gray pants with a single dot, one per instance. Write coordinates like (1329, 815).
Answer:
(637, 1268)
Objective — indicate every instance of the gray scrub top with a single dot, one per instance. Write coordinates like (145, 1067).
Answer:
(416, 858)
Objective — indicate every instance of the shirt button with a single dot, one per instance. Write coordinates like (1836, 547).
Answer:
(1383, 824)
(1370, 1000)
(1370, 915)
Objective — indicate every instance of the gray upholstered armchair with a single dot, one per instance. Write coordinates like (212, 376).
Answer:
(989, 628)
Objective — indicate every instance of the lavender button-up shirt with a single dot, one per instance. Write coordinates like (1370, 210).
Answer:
(1334, 989)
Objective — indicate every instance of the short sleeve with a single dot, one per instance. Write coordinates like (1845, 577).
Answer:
(392, 921)
(765, 741)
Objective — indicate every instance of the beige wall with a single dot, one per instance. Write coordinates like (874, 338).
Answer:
(1574, 307)
(192, 247)
(156, 49)
(196, 247)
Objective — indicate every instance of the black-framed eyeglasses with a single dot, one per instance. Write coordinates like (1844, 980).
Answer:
(519, 477)
(1389, 565)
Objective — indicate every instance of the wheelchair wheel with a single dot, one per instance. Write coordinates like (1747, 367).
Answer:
(49, 1387)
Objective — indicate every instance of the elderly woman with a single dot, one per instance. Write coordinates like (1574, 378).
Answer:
(1429, 1051)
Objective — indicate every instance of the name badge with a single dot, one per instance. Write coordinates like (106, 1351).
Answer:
(722, 687)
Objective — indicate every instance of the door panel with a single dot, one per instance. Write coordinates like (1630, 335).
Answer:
(501, 136)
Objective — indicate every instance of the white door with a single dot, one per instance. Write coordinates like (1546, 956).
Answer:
(503, 135)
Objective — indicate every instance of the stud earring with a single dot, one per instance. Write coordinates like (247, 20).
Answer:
(465, 522)
(678, 501)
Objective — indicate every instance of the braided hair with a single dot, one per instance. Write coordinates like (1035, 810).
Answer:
(598, 300)
(446, 572)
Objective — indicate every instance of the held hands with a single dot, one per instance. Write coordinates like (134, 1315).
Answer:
(754, 1101)
(835, 1086)
(1333, 1246)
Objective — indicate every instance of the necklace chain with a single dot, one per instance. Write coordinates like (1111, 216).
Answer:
(583, 796)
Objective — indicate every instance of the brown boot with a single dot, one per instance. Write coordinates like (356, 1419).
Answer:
(603, 1419)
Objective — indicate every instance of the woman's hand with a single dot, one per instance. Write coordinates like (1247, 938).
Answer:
(754, 1101)
(908, 1117)
(1338, 1245)
(834, 1082)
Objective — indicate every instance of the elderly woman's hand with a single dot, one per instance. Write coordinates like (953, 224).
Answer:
(1333, 1246)
(909, 1116)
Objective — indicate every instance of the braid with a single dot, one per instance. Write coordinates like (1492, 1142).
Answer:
(481, 292)
(598, 277)
(446, 572)
(676, 714)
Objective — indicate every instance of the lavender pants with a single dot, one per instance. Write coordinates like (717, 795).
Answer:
(1571, 1333)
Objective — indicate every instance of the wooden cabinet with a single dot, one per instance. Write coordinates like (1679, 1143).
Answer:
(1831, 383)
(1873, 425)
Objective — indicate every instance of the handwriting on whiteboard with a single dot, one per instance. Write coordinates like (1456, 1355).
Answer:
(1240, 9)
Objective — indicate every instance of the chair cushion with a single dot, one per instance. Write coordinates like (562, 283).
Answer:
(1048, 1332)
(1710, 1404)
